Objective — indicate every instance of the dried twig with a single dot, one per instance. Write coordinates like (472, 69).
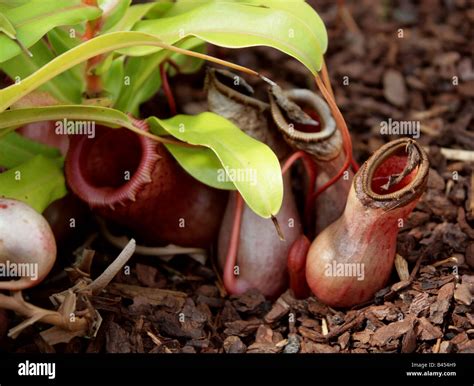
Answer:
(34, 314)
(103, 280)
(198, 254)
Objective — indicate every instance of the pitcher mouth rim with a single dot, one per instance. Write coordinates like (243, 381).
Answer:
(408, 193)
(325, 144)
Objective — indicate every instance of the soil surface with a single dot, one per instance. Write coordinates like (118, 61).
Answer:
(399, 61)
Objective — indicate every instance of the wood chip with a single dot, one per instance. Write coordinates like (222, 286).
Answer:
(420, 303)
(242, 328)
(441, 306)
(362, 336)
(354, 321)
(400, 285)
(380, 312)
(466, 347)
(155, 296)
(117, 339)
(317, 308)
(279, 310)
(234, 345)
(264, 334)
(463, 295)
(426, 331)
(249, 302)
(394, 88)
(343, 340)
(318, 348)
(445, 347)
(409, 342)
(460, 338)
(311, 334)
(469, 281)
(263, 348)
(392, 331)
(401, 266)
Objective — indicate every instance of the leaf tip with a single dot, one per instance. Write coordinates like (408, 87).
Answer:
(278, 228)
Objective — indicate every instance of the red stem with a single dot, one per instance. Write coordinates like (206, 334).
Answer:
(167, 89)
(230, 280)
(346, 137)
(93, 82)
(174, 65)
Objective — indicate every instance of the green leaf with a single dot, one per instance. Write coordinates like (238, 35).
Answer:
(113, 79)
(12, 119)
(202, 164)
(61, 40)
(144, 75)
(16, 149)
(291, 27)
(38, 182)
(188, 64)
(9, 4)
(6, 27)
(249, 164)
(143, 80)
(93, 47)
(35, 18)
(65, 87)
(113, 16)
(134, 14)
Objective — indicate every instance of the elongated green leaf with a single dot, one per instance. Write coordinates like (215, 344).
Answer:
(143, 76)
(202, 164)
(114, 11)
(38, 182)
(188, 64)
(61, 40)
(291, 27)
(16, 149)
(6, 27)
(143, 81)
(65, 87)
(249, 164)
(9, 4)
(12, 119)
(135, 13)
(160, 9)
(34, 19)
(96, 46)
(113, 79)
